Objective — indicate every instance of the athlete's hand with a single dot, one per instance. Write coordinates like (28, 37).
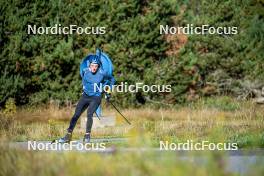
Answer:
(107, 96)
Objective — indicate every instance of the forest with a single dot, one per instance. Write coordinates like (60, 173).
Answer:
(38, 68)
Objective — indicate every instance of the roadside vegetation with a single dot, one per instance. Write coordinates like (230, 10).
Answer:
(214, 119)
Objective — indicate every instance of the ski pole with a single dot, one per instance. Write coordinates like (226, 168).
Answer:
(119, 112)
(97, 116)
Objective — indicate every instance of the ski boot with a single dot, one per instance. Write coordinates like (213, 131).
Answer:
(66, 139)
(86, 138)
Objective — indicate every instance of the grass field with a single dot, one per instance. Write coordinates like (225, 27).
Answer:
(219, 119)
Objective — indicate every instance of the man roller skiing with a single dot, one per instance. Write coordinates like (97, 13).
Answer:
(91, 97)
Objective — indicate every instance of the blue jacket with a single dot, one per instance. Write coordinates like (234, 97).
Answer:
(93, 84)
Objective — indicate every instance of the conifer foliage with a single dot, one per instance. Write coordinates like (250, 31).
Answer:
(37, 68)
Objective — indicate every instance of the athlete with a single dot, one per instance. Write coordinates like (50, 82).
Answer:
(92, 78)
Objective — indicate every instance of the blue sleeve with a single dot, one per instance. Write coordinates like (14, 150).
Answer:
(83, 72)
(109, 80)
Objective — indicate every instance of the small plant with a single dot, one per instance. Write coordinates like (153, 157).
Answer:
(222, 103)
(10, 107)
(53, 128)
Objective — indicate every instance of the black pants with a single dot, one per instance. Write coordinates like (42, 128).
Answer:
(93, 102)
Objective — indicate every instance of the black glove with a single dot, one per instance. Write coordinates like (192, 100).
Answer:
(107, 97)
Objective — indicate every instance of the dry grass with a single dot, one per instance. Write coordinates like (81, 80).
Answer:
(149, 125)
(43, 114)
(193, 122)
